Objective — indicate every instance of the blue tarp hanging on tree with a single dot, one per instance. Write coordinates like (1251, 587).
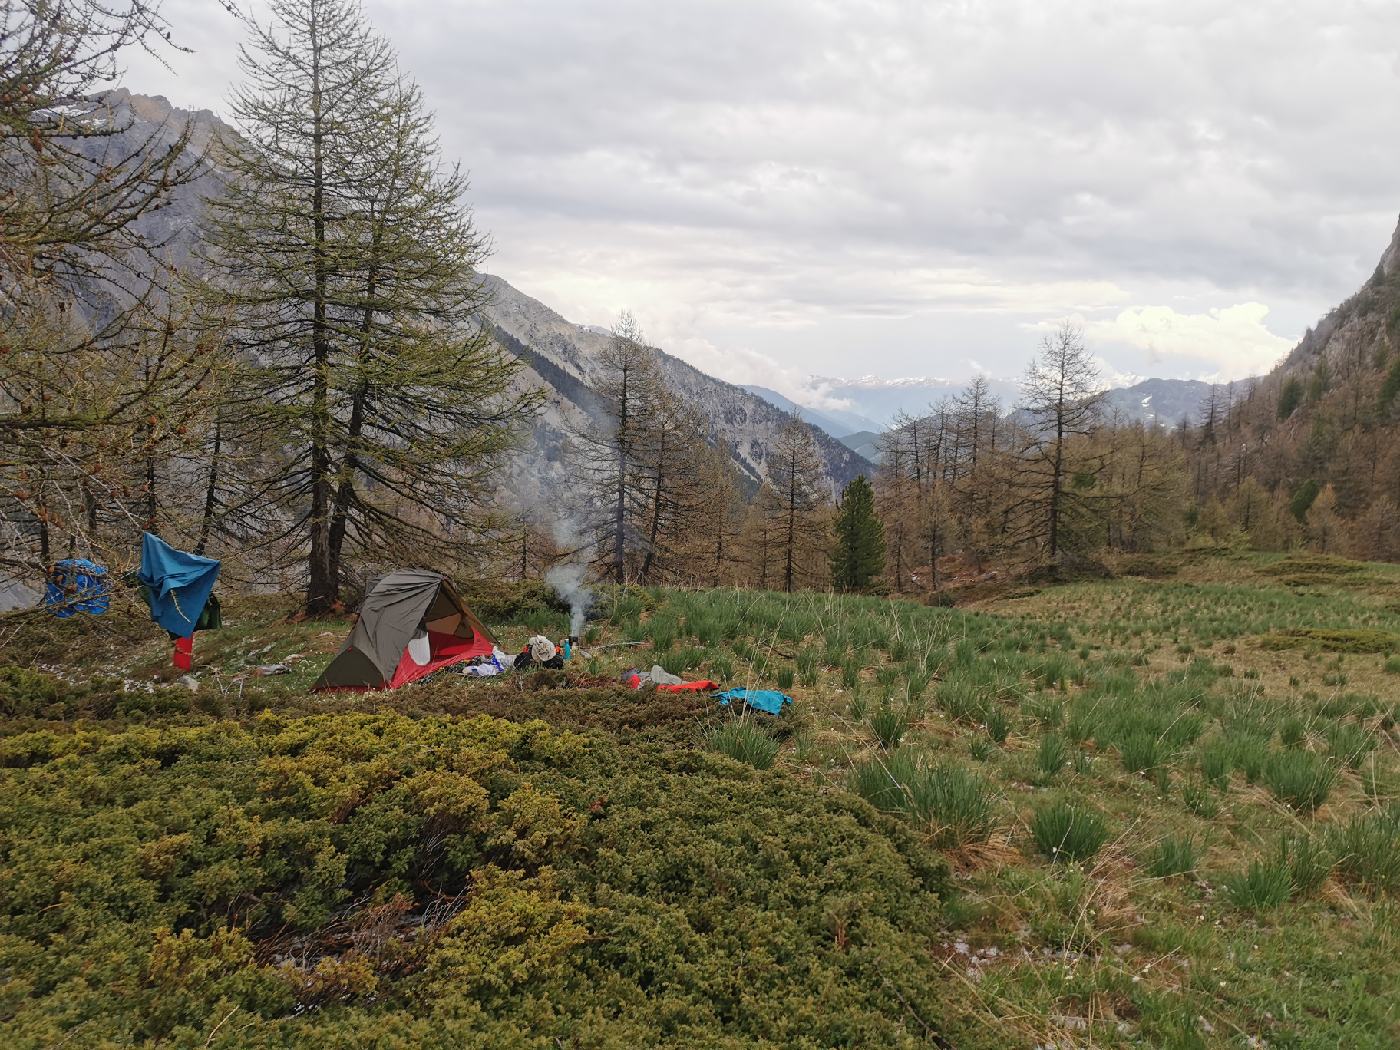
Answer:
(177, 584)
(77, 585)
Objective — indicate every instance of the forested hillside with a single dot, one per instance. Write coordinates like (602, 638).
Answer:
(1311, 453)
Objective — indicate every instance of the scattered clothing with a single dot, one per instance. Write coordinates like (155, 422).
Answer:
(658, 675)
(183, 656)
(266, 670)
(689, 687)
(488, 666)
(76, 585)
(542, 650)
(769, 701)
(665, 681)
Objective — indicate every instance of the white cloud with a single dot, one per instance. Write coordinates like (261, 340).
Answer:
(1234, 340)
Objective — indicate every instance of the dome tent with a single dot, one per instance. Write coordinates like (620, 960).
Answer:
(412, 623)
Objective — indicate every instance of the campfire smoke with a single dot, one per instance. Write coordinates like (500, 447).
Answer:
(569, 578)
(568, 582)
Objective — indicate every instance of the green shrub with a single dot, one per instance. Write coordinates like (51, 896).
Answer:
(881, 781)
(850, 672)
(744, 742)
(962, 700)
(1216, 761)
(1293, 731)
(1392, 665)
(956, 804)
(1249, 754)
(618, 884)
(1299, 779)
(1308, 862)
(662, 634)
(1174, 855)
(1200, 799)
(681, 661)
(1065, 831)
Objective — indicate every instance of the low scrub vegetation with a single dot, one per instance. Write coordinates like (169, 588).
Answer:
(1115, 769)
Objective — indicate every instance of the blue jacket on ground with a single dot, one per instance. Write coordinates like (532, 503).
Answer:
(769, 701)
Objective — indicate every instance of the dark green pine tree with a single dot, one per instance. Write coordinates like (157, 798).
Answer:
(859, 555)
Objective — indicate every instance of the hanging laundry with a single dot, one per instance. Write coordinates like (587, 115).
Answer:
(177, 585)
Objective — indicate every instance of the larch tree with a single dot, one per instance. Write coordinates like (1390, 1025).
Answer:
(858, 555)
(613, 452)
(77, 269)
(672, 452)
(1057, 471)
(798, 483)
(347, 272)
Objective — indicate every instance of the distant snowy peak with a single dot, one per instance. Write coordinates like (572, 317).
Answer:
(874, 382)
(1164, 402)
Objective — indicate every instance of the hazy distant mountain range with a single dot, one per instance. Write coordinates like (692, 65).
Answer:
(874, 403)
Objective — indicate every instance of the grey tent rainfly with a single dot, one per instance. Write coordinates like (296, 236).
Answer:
(411, 624)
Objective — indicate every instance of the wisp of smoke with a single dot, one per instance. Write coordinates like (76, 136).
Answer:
(568, 582)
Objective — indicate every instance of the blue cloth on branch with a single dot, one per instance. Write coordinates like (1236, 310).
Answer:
(769, 701)
(77, 585)
(177, 584)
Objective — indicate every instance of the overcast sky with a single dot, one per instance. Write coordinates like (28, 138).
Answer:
(787, 188)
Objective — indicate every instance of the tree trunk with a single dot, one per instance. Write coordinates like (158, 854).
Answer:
(620, 501)
(323, 586)
(206, 522)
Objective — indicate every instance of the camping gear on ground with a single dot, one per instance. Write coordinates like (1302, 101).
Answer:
(76, 585)
(665, 682)
(540, 651)
(658, 675)
(769, 701)
(703, 686)
(385, 648)
(487, 666)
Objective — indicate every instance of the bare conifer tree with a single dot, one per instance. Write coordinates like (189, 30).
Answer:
(1061, 399)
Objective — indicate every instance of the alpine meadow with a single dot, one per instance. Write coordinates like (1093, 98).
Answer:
(831, 638)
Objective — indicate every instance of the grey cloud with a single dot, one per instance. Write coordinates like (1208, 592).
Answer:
(787, 159)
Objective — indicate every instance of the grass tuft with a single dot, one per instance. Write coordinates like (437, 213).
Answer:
(1299, 779)
(744, 742)
(1174, 855)
(1065, 831)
